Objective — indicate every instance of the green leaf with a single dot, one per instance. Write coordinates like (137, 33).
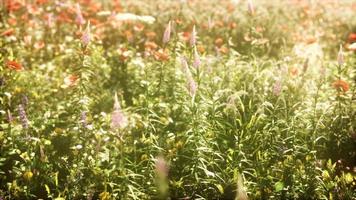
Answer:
(47, 189)
(279, 186)
(220, 188)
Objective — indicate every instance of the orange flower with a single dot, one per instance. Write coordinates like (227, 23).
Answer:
(94, 21)
(230, 7)
(341, 85)
(201, 49)
(129, 36)
(70, 81)
(186, 36)
(14, 65)
(219, 42)
(8, 32)
(39, 45)
(232, 25)
(294, 71)
(179, 21)
(161, 55)
(150, 46)
(223, 50)
(41, 1)
(150, 35)
(310, 40)
(64, 17)
(139, 27)
(219, 23)
(12, 21)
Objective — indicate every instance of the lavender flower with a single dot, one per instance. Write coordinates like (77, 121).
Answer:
(167, 33)
(79, 18)
(192, 86)
(23, 117)
(277, 88)
(161, 167)
(118, 119)
(24, 100)
(86, 37)
(250, 7)
(197, 60)
(184, 63)
(340, 57)
(50, 20)
(193, 37)
(83, 119)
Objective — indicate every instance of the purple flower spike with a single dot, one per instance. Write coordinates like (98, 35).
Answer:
(86, 37)
(79, 18)
(23, 117)
(192, 86)
(118, 119)
(161, 167)
(184, 63)
(83, 119)
(340, 57)
(277, 88)
(197, 60)
(167, 33)
(193, 37)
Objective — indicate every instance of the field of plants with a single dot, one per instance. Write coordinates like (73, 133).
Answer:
(177, 99)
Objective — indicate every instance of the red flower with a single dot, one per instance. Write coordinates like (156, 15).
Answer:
(13, 5)
(341, 85)
(14, 65)
(352, 37)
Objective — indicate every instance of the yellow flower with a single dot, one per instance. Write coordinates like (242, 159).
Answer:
(104, 196)
(58, 130)
(28, 175)
(18, 90)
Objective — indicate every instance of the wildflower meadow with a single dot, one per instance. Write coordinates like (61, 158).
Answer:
(177, 99)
